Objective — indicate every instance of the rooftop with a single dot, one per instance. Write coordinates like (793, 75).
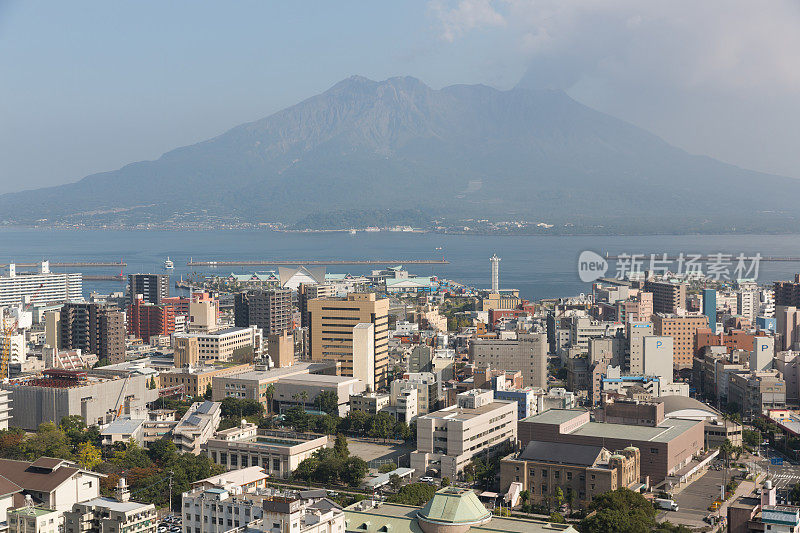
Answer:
(460, 413)
(277, 373)
(561, 453)
(115, 505)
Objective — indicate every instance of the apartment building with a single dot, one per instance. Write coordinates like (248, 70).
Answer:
(52, 483)
(229, 344)
(451, 437)
(303, 389)
(108, 515)
(682, 329)
(146, 320)
(271, 310)
(667, 297)
(39, 287)
(429, 390)
(787, 293)
(93, 328)
(527, 353)
(333, 332)
(581, 471)
(756, 392)
(152, 287)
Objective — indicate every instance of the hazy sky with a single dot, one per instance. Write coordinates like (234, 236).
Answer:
(92, 85)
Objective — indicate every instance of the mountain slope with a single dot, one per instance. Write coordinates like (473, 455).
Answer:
(398, 144)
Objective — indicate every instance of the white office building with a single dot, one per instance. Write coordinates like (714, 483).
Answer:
(39, 287)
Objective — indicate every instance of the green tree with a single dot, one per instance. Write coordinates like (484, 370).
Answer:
(525, 495)
(340, 446)
(395, 481)
(328, 402)
(49, 440)
(557, 518)
(445, 482)
(88, 456)
(306, 469)
(751, 437)
(270, 395)
(353, 471)
(416, 494)
(620, 511)
(326, 424)
(380, 426)
(163, 451)
(209, 393)
(559, 495)
(152, 383)
(401, 430)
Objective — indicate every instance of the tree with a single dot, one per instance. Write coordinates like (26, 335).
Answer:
(306, 469)
(209, 393)
(88, 456)
(416, 494)
(163, 451)
(395, 481)
(49, 440)
(401, 430)
(559, 496)
(525, 495)
(445, 482)
(620, 511)
(303, 396)
(354, 470)
(556, 518)
(152, 383)
(340, 446)
(270, 395)
(326, 424)
(380, 426)
(328, 402)
(751, 437)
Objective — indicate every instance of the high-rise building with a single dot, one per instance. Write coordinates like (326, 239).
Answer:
(270, 310)
(307, 292)
(152, 287)
(667, 297)
(39, 287)
(146, 320)
(333, 327)
(710, 307)
(527, 353)
(495, 273)
(682, 329)
(203, 313)
(637, 331)
(787, 293)
(94, 328)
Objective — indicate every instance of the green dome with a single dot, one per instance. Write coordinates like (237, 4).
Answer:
(452, 505)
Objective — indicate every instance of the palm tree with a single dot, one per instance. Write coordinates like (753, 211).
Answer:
(270, 396)
(304, 397)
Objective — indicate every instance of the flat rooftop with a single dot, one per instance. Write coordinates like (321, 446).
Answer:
(460, 413)
(664, 432)
(278, 373)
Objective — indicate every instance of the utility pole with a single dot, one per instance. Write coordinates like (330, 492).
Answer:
(170, 491)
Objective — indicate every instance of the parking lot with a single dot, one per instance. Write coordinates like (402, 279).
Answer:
(169, 524)
(375, 453)
(693, 501)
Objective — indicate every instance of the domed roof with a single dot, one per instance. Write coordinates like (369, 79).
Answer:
(685, 407)
(453, 505)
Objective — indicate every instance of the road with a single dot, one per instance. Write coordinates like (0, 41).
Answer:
(693, 501)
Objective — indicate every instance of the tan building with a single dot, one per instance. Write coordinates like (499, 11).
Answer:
(186, 350)
(280, 347)
(581, 471)
(665, 448)
(230, 344)
(333, 327)
(667, 297)
(756, 392)
(682, 329)
(107, 515)
(527, 353)
(448, 439)
(196, 380)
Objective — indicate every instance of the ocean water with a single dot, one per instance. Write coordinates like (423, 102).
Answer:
(539, 266)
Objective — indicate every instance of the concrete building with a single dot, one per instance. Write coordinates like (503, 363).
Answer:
(682, 329)
(332, 331)
(787, 327)
(280, 348)
(196, 380)
(421, 359)
(40, 287)
(668, 297)
(277, 452)
(32, 520)
(93, 328)
(756, 392)
(582, 470)
(527, 353)
(787, 293)
(253, 385)
(759, 512)
(224, 345)
(636, 331)
(288, 390)
(763, 353)
(364, 354)
(665, 448)
(107, 515)
(448, 439)
(428, 388)
(152, 287)
(657, 357)
(196, 426)
(370, 402)
(96, 395)
(203, 313)
(52, 483)
(270, 310)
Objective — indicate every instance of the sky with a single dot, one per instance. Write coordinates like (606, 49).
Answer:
(93, 85)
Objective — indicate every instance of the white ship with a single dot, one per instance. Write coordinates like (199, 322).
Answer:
(168, 264)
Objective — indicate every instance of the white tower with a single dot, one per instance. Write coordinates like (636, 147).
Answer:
(495, 273)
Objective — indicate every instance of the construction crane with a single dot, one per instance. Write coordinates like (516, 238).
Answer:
(8, 331)
(120, 403)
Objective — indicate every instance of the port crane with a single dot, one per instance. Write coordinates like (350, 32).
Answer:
(5, 349)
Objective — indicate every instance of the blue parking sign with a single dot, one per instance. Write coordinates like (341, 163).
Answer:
(776, 461)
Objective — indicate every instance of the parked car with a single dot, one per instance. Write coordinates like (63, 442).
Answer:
(426, 479)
